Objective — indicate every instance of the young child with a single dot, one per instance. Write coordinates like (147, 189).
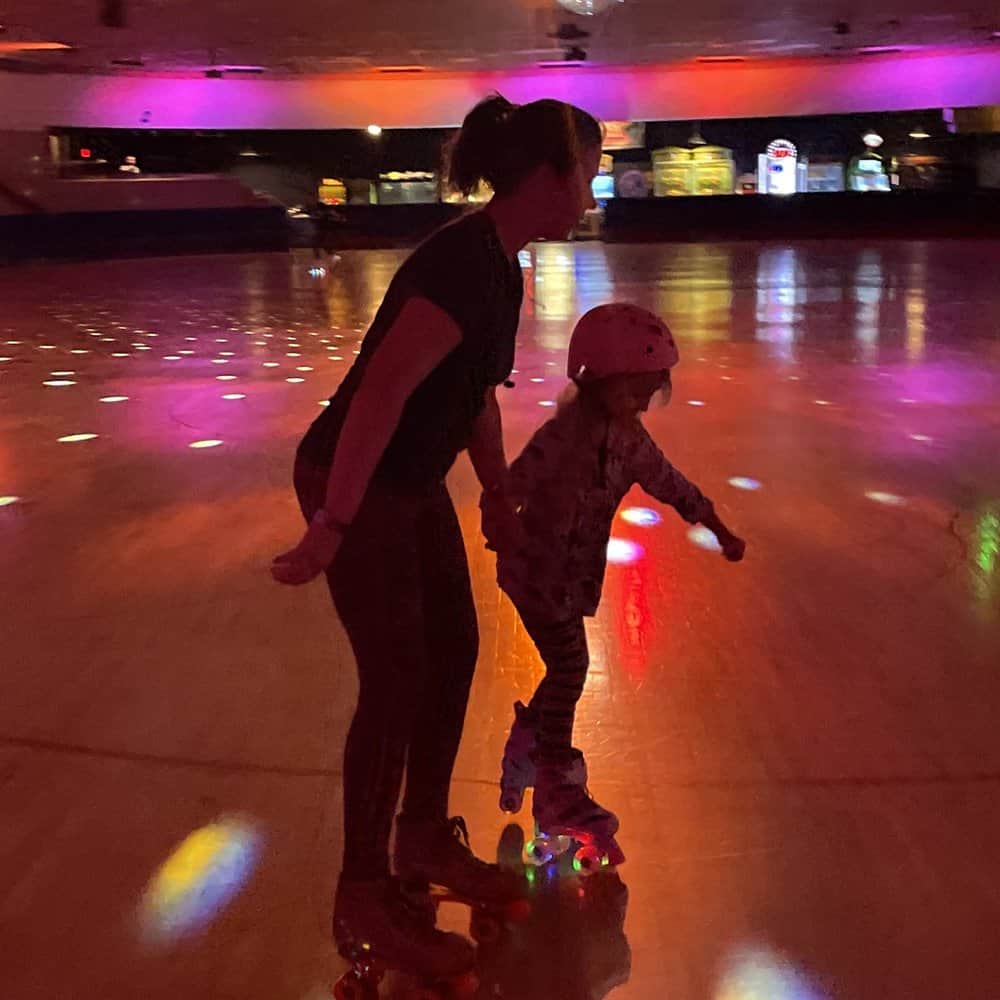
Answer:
(566, 486)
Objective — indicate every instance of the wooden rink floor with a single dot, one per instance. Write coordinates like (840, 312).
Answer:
(803, 748)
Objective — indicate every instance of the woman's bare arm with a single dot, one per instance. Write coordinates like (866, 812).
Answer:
(422, 335)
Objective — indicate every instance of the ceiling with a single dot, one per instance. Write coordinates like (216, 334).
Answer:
(330, 36)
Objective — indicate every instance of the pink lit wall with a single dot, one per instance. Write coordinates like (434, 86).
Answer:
(755, 89)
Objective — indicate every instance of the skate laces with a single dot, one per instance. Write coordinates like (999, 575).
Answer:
(460, 831)
(461, 839)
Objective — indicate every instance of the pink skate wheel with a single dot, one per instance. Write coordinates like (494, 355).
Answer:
(484, 929)
(466, 985)
(588, 860)
(352, 988)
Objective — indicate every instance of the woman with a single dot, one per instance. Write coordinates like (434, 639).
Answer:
(370, 474)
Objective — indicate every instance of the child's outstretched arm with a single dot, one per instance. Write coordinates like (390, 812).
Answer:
(661, 480)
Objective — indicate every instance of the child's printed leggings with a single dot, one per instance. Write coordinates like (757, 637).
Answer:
(563, 648)
(400, 584)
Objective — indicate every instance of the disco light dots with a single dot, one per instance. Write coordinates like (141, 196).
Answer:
(641, 517)
(887, 499)
(199, 878)
(207, 443)
(74, 438)
(621, 551)
(700, 536)
(744, 483)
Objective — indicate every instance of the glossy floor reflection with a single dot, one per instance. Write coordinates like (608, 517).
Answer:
(802, 749)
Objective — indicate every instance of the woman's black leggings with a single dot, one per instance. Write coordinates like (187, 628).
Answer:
(400, 584)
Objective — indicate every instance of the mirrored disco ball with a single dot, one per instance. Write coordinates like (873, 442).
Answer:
(587, 8)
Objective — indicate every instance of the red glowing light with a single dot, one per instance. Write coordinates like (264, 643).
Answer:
(85, 153)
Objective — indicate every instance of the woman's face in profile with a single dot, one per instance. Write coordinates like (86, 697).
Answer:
(571, 197)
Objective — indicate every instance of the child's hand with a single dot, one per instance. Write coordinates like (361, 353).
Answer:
(733, 547)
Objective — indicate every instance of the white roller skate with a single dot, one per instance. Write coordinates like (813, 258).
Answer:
(566, 815)
(517, 770)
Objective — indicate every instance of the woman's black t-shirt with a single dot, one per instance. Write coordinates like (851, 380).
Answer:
(463, 270)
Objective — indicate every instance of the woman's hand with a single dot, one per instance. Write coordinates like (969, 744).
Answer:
(310, 557)
(501, 525)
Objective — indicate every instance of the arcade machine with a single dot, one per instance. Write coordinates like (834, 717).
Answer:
(867, 171)
(673, 172)
(824, 177)
(714, 170)
(780, 171)
(408, 187)
(332, 191)
(703, 170)
(603, 189)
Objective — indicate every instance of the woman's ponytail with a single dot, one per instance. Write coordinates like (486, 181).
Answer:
(477, 150)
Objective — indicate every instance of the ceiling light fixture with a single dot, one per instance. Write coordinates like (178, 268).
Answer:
(588, 8)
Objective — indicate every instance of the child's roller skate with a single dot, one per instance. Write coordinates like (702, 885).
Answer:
(565, 815)
(376, 929)
(435, 864)
(517, 770)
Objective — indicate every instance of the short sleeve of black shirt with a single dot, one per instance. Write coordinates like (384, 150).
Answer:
(463, 270)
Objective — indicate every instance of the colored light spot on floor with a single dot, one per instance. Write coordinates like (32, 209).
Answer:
(199, 878)
(744, 483)
(888, 499)
(208, 443)
(621, 551)
(641, 517)
(73, 438)
(701, 537)
(112, 399)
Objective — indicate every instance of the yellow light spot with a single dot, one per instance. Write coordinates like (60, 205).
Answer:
(234, 395)
(225, 378)
(112, 399)
(59, 382)
(295, 381)
(73, 438)
(208, 443)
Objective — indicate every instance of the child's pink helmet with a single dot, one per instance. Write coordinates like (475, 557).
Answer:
(620, 339)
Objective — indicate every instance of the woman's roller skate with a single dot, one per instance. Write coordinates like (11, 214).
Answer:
(377, 929)
(565, 815)
(435, 865)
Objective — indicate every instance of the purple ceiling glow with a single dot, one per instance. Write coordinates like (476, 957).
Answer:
(897, 82)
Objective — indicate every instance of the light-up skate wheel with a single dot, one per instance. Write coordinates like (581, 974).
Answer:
(538, 851)
(588, 860)
(353, 988)
(466, 985)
